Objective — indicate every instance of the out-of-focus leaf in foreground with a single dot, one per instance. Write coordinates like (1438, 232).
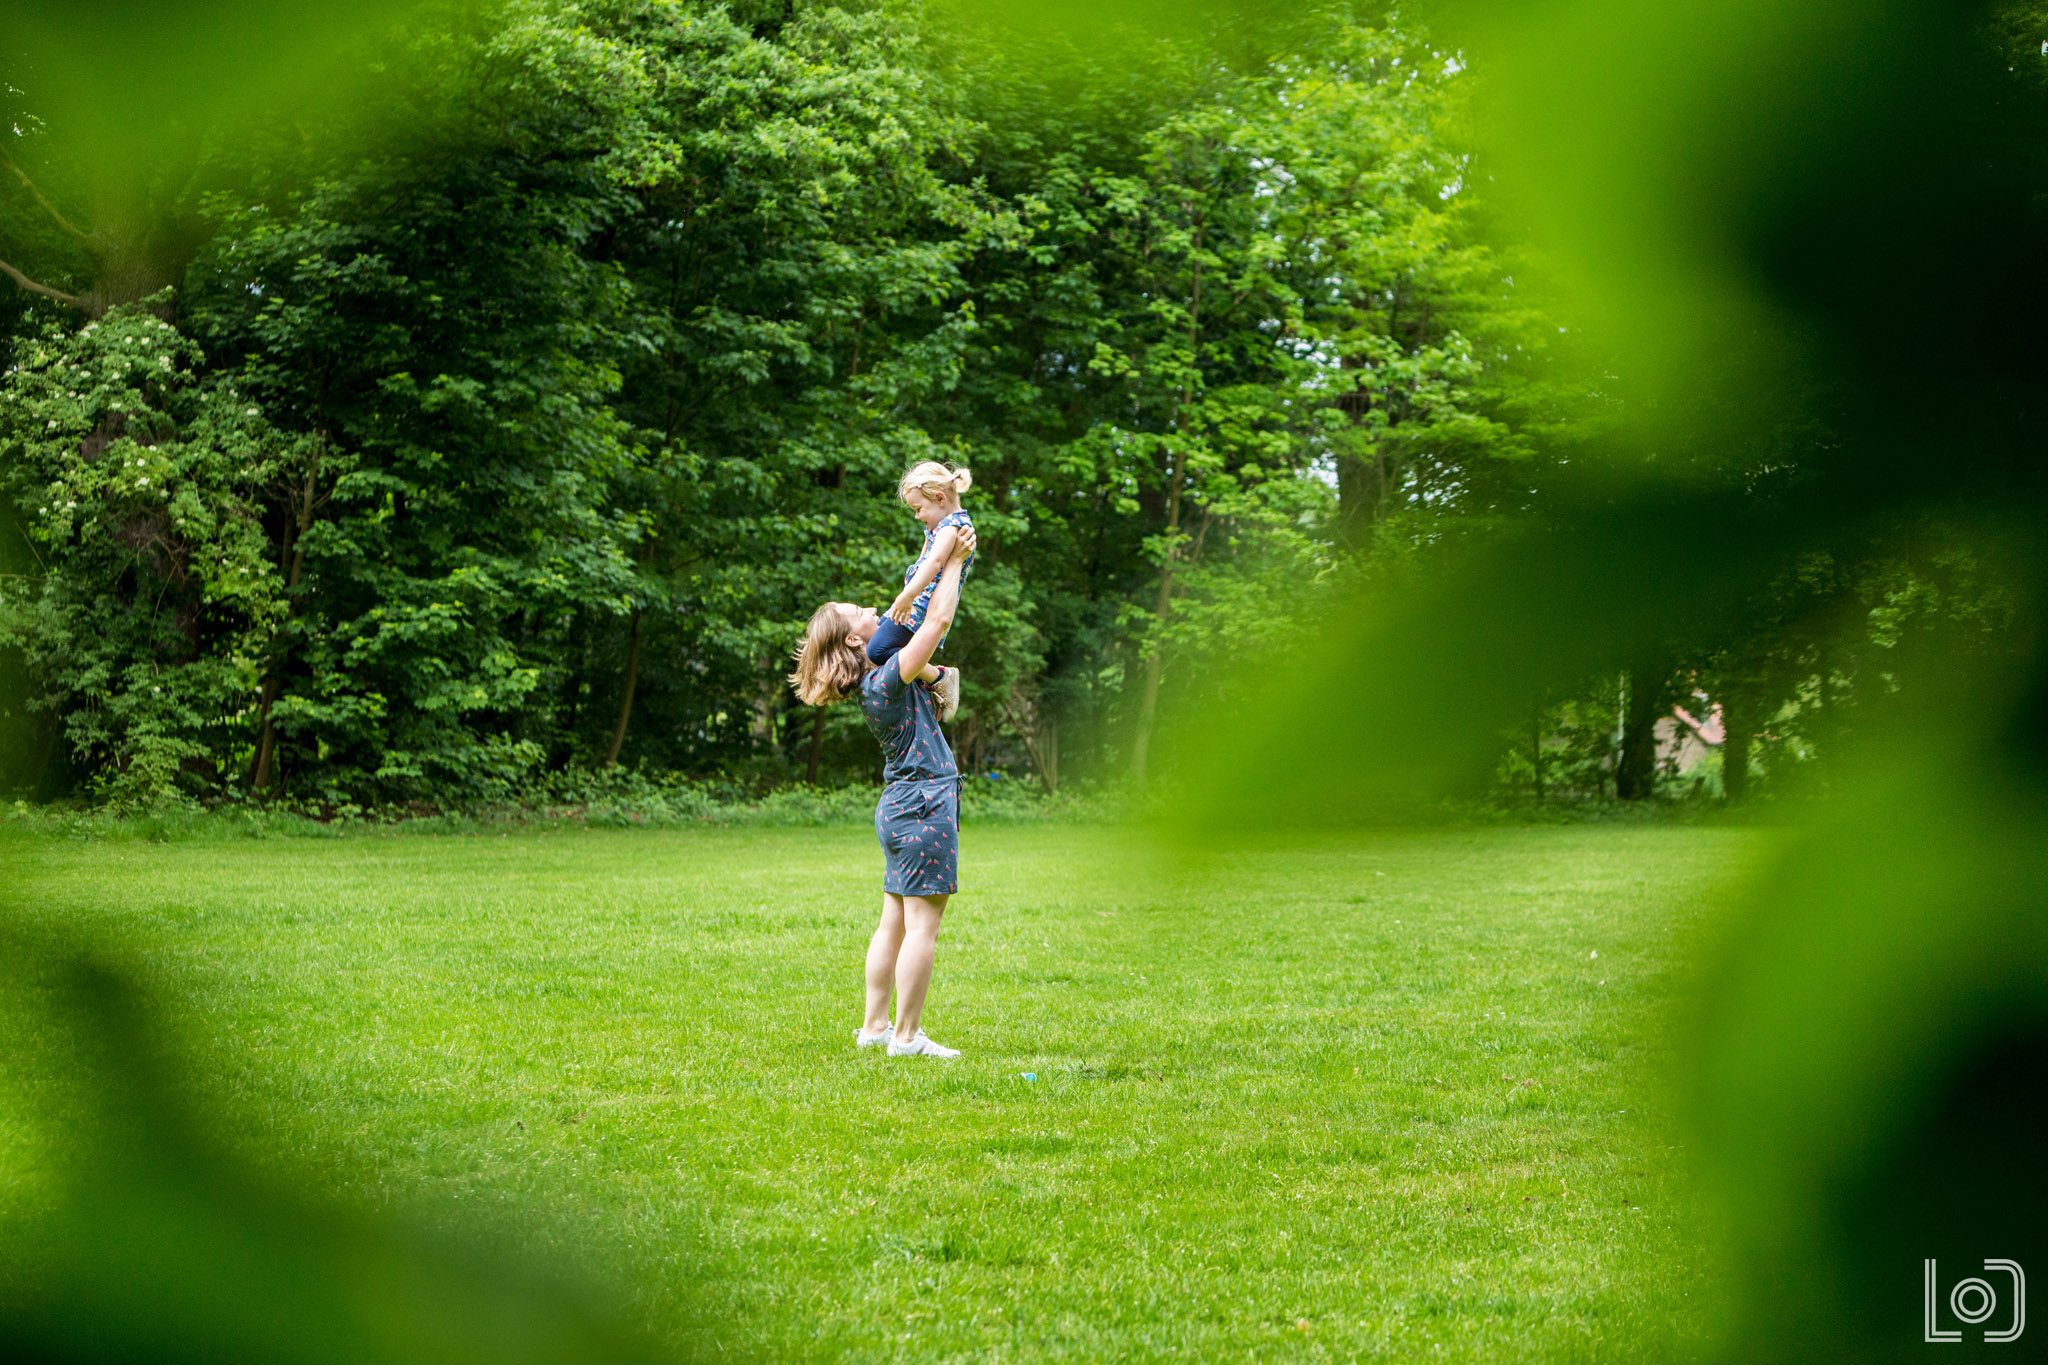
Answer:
(111, 112)
(118, 80)
(1073, 38)
(129, 1238)
(1810, 239)
(1866, 1087)
(1816, 220)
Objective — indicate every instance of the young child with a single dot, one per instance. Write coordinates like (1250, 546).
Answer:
(932, 492)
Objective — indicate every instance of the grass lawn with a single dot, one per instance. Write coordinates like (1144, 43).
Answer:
(1361, 1097)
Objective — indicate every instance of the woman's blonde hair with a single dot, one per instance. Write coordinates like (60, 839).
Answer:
(829, 666)
(934, 480)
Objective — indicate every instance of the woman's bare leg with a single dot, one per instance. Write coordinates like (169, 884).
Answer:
(882, 949)
(914, 960)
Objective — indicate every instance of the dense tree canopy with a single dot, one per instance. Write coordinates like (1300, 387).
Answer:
(510, 415)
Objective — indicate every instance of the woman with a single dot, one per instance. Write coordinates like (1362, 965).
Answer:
(918, 817)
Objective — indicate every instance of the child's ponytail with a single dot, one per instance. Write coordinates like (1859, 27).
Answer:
(934, 480)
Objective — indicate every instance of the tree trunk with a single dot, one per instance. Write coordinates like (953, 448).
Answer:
(768, 693)
(1734, 754)
(1361, 498)
(1536, 751)
(130, 274)
(141, 237)
(295, 556)
(46, 759)
(1176, 484)
(1148, 711)
(1048, 754)
(611, 755)
(1041, 735)
(817, 746)
(1155, 661)
(1361, 481)
(1635, 773)
(971, 744)
(266, 736)
(569, 698)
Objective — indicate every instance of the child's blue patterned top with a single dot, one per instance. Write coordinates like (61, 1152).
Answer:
(924, 599)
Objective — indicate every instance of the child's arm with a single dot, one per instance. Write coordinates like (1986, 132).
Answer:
(938, 618)
(928, 569)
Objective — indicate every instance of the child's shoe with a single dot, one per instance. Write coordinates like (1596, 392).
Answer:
(946, 691)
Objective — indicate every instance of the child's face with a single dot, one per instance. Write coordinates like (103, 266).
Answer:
(927, 510)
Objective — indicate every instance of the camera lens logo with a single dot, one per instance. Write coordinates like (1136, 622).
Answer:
(1974, 1302)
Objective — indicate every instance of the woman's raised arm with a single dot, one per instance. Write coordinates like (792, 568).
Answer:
(938, 617)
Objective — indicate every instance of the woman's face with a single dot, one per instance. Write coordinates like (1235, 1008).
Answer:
(860, 622)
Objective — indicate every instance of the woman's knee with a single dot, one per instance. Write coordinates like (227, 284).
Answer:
(922, 913)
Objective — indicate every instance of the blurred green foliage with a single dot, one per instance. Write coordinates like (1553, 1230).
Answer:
(1868, 1048)
(129, 1236)
(1811, 245)
(1396, 386)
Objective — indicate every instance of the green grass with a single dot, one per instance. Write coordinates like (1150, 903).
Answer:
(1368, 1097)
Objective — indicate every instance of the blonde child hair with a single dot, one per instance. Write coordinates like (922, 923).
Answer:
(829, 666)
(934, 480)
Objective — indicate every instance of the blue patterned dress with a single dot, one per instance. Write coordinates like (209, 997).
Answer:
(918, 818)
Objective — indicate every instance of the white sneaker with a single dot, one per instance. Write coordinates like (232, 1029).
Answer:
(946, 691)
(921, 1046)
(862, 1038)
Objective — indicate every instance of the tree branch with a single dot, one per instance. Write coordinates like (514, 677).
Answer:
(37, 287)
(35, 192)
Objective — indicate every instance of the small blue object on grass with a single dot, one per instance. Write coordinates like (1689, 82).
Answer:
(1031, 1075)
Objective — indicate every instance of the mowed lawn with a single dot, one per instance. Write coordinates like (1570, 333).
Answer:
(1379, 1096)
